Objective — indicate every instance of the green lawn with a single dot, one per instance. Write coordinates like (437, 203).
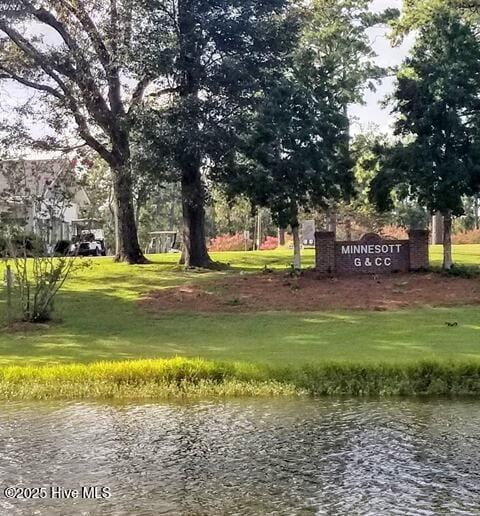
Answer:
(101, 321)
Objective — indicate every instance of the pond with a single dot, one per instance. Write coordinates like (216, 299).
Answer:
(245, 457)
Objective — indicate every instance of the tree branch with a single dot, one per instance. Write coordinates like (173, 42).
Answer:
(138, 93)
(103, 54)
(8, 74)
(92, 97)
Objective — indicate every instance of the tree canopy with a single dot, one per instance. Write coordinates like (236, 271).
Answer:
(436, 101)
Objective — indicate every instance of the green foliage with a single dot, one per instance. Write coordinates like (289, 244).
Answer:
(462, 271)
(182, 378)
(225, 50)
(337, 32)
(436, 103)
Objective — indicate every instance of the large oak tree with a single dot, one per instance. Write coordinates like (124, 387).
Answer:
(81, 60)
(214, 57)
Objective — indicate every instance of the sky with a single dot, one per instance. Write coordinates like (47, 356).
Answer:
(371, 114)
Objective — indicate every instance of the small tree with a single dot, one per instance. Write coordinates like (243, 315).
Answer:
(34, 276)
(437, 107)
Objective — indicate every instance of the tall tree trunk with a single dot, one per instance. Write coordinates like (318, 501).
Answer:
(332, 221)
(195, 253)
(297, 253)
(281, 236)
(128, 248)
(475, 215)
(348, 229)
(447, 241)
(259, 229)
(437, 228)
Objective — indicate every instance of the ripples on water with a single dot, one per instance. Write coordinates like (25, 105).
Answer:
(247, 457)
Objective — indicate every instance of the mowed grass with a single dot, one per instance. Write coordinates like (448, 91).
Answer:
(101, 321)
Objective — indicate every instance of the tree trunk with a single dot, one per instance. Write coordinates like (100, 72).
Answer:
(195, 253)
(189, 156)
(259, 229)
(447, 241)
(332, 221)
(128, 248)
(475, 215)
(297, 256)
(437, 229)
(348, 229)
(281, 236)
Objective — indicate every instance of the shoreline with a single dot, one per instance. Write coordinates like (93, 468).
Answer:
(179, 378)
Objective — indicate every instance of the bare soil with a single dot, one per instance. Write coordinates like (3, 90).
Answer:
(311, 292)
(24, 327)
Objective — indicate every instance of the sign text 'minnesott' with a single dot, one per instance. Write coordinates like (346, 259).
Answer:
(372, 254)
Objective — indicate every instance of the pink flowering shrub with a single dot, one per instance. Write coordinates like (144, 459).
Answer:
(469, 237)
(229, 243)
(269, 244)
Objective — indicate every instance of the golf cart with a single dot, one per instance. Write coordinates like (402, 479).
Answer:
(88, 240)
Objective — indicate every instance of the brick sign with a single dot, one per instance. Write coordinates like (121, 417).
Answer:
(371, 254)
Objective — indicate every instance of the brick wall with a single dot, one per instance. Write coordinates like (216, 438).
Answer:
(399, 256)
(419, 239)
(325, 252)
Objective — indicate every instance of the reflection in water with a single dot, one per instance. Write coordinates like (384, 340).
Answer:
(246, 457)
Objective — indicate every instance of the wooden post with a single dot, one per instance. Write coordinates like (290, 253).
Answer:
(9, 293)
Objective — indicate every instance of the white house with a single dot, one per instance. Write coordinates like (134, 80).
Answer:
(42, 195)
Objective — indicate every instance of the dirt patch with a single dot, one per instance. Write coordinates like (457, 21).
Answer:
(24, 327)
(311, 292)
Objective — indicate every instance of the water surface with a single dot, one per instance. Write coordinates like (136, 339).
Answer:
(246, 457)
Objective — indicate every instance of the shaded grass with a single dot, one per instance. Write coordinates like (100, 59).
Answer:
(176, 378)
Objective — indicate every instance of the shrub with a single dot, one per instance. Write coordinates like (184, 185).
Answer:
(229, 243)
(394, 233)
(469, 237)
(460, 271)
(62, 247)
(270, 244)
(34, 278)
(20, 242)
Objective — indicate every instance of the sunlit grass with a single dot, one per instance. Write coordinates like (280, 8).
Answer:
(100, 320)
(180, 378)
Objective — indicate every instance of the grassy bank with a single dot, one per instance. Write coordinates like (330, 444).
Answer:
(178, 378)
(100, 320)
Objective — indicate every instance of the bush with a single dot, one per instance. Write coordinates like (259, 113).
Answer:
(36, 276)
(229, 243)
(460, 271)
(270, 244)
(469, 237)
(62, 247)
(20, 243)
(394, 233)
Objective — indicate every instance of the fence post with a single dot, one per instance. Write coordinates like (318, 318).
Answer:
(9, 293)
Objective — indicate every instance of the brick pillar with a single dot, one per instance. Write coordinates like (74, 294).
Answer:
(419, 240)
(325, 252)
